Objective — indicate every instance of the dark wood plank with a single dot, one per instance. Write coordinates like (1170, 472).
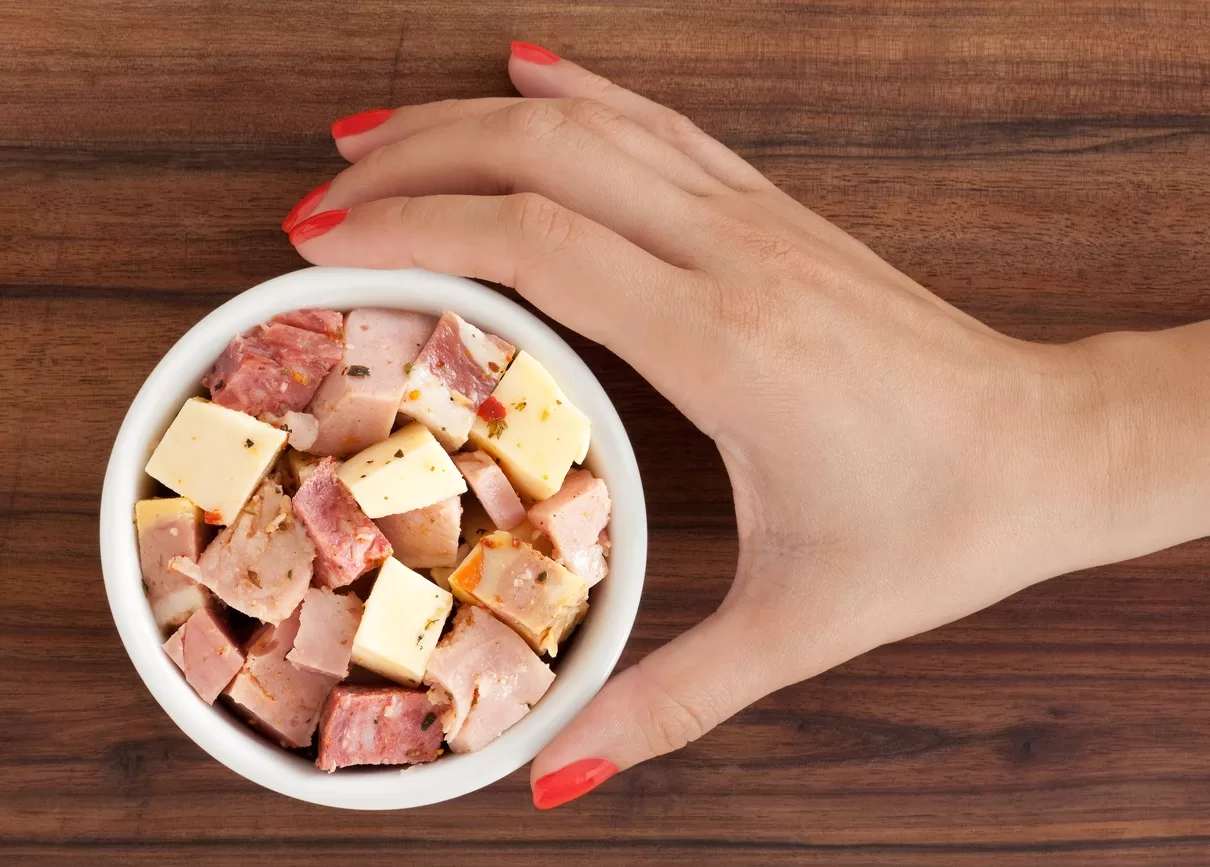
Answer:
(1044, 166)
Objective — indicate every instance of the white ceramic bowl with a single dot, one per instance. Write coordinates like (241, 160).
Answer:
(581, 672)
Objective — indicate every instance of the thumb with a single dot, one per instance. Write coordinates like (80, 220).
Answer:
(665, 701)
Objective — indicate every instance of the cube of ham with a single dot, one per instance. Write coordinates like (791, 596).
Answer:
(574, 520)
(347, 543)
(356, 405)
(170, 528)
(261, 564)
(317, 319)
(378, 725)
(205, 651)
(487, 675)
(272, 369)
(455, 372)
(533, 594)
(273, 694)
(428, 537)
(492, 488)
(327, 624)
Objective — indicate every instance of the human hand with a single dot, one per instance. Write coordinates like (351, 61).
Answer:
(895, 463)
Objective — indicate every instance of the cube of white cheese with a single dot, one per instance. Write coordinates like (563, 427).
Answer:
(216, 457)
(403, 619)
(408, 470)
(541, 435)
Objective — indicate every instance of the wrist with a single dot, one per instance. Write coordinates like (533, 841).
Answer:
(1138, 411)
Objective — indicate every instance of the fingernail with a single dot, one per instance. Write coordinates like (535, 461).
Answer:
(304, 207)
(531, 53)
(317, 225)
(356, 124)
(567, 784)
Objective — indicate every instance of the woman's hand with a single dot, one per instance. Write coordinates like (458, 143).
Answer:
(895, 463)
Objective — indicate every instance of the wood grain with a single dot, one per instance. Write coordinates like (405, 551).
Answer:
(1045, 166)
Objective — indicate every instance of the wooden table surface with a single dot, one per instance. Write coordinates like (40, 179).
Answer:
(1043, 165)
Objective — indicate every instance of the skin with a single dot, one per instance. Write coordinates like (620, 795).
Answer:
(895, 463)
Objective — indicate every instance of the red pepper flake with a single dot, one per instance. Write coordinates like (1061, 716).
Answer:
(492, 410)
(439, 364)
(493, 367)
(489, 543)
(213, 518)
(516, 542)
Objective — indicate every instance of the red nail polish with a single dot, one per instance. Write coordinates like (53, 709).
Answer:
(315, 226)
(567, 784)
(531, 53)
(356, 124)
(304, 207)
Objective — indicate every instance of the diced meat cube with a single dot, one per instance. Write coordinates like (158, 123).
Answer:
(533, 594)
(356, 405)
(378, 725)
(317, 319)
(170, 528)
(275, 695)
(261, 564)
(204, 649)
(487, 675)
(574, 519)
(423, 538)
(347, 543)
(272, 369)
(327, 624)
(492, 488)
(454, 373)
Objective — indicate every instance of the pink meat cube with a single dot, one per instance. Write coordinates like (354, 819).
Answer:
(204, 649)
(327, 624)
(170, 528)
(492, 488)
(487, 675)
(456, 371)
(274, 695)
(356, 405)
(428, 537)
(261, 564)
(272, 369)
(317, 319)
(378, 725)
(574, 519)
(347, 543)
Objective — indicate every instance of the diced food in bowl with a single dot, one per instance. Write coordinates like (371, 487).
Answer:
(533, 594)
(533, 430)
(487, 675)
(384, 725)
(415, 443)
(168, 528)
(403, 619)
(327, 622)
(347, 543)
(426, 538)
(206, 652)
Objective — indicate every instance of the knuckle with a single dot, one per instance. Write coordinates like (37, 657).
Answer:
(545, 223)
(677, 128)
(534, 121)
(669, 724)
(593, 115)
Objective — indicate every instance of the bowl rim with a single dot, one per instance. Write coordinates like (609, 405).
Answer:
(600, 639)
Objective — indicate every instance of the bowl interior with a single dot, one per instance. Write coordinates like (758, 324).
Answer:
(581, 670)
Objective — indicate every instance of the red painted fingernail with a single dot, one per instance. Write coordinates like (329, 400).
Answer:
(531, 53)
(567, 784)
(304, 207)
(356, 124)
(317, 225)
